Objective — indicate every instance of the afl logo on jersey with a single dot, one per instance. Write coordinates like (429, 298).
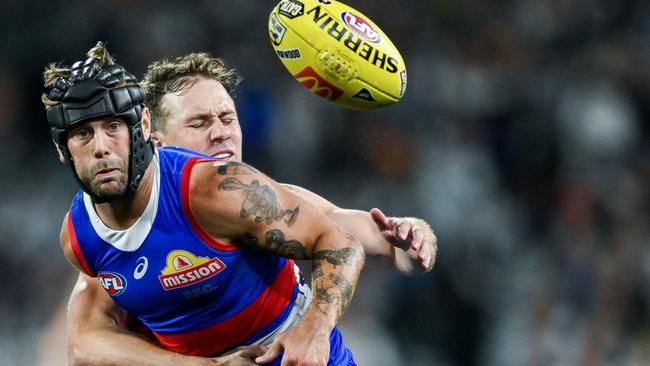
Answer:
(185, 269)
(113, 283)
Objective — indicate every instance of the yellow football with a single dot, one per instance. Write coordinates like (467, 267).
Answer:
(337, 53)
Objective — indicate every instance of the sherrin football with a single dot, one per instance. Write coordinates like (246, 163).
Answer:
(337, 53)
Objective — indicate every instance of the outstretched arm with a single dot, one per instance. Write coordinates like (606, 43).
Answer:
(404, 244)
(98, 332)
(234, 201)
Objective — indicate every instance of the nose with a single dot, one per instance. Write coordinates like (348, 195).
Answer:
(219, 132)
(100, 144)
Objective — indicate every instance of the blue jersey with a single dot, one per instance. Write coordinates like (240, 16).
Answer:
(198, 295)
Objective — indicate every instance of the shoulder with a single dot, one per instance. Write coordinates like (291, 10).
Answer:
(179, 152)
(64, 235)
(207, 177)
(66, 242)
(176, 160)
(214, 191)
(65, 239)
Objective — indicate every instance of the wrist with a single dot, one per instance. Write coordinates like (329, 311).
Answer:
(316, 320)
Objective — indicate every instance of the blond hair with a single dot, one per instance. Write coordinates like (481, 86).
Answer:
(179, 75)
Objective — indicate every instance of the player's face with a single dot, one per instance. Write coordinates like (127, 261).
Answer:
(100, 153)
(203, 119)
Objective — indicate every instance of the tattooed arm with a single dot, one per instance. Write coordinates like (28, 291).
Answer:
(234, 201)
(404, 244)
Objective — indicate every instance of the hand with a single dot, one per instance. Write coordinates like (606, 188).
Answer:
(412, 236)
(301, 346)
(241, 356)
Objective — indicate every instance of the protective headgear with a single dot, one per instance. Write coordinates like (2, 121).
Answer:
(91, 93)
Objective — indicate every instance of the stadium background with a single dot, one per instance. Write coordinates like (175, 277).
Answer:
(522, 139)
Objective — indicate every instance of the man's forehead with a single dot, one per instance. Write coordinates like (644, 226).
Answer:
(204, 96)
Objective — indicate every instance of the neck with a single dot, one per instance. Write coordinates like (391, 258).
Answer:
(122, 213)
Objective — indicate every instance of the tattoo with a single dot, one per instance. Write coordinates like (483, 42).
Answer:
(317, 271)
(336, 257)
(260, 201)
(324, 297)
(276, 243)
(235, 168)
(344, 287)
(339, 294)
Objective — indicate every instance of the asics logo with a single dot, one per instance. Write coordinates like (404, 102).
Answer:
(141, 268)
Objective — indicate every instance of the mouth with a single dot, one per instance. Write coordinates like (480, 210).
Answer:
(106, 172)
(224, 155)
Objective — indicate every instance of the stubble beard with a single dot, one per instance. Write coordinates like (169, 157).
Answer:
(107, 189)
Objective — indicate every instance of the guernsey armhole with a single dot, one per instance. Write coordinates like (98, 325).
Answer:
(187, 208)
(76, 249)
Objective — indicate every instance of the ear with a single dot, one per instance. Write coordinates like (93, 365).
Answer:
(158, 139)
(61, 158)
(146, 123)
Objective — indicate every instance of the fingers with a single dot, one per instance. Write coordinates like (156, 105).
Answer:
(427, 253)
(418, 239)
(424, 255)
(403, 230)
(380, 219)
(270, 354)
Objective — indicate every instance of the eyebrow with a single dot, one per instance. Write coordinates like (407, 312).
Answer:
(192, 117)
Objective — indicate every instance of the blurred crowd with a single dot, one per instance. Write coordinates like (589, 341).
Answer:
(523, 139)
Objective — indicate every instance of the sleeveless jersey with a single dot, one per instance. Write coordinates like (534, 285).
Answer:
(199, 296)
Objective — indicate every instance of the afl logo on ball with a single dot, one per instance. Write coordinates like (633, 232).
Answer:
(113, 283)
(361, 27)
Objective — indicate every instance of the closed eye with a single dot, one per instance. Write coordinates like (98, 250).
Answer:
(199, 123)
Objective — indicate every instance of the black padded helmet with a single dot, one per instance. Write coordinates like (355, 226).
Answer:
(90, 93)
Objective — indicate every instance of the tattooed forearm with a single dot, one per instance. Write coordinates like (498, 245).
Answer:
(324, 297)
(339, 294)
(259, 201)
(337, 256)
(235, 168)
(345, 288)
(316, 271)
(276, 243)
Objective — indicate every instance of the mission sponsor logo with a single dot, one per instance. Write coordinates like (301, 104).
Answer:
(361, 27)
(351, 37)
(185, 269)
(276, 29)
(292, 9)
(317, 85)
(289, 54)
(113, 283)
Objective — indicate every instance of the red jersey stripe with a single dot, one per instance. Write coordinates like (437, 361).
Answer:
(76, 249)
(187, 207)
(221, 336)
